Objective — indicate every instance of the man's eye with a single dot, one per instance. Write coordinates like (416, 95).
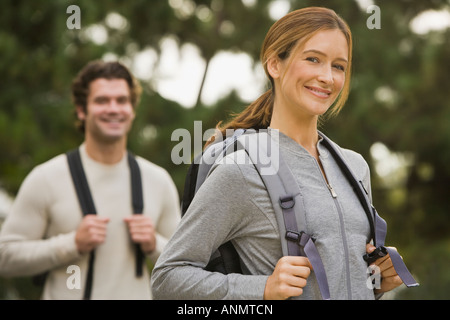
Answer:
(123, 100)
(101, 100)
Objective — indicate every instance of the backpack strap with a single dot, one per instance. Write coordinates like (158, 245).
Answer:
(88, 207)
(138, 205)
(228, 260)
(190, 184)
(201, 166)
(357, 185)
(285, 196)
(214, 153)
(378, 225)
(298, 243)
(80, 182)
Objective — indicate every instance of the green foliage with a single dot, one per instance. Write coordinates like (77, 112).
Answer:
(399, 97)
(431, 264)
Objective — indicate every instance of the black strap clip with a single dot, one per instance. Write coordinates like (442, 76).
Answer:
(375, 255)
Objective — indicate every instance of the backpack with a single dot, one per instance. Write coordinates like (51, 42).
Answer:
(88, 207)
(282, 189)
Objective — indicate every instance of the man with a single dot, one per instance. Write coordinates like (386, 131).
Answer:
(46, 230)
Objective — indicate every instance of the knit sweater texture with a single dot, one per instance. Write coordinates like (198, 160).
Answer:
(39, 232)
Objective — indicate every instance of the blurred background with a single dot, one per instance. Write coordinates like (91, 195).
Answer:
(198, 60)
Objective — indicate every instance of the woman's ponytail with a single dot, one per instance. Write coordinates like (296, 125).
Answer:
(256, 116)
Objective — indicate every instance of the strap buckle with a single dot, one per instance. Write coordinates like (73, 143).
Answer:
(375, 255)
(294, 236)
(297, 237)
(287, 202)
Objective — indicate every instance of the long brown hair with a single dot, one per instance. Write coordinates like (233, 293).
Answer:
(281, 40)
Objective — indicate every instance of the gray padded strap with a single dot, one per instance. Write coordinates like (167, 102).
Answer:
(316, 262)
(279, 183)
(213, 153)
(285, 196)
(401, 268)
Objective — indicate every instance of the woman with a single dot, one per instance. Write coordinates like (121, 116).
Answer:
(307, 57)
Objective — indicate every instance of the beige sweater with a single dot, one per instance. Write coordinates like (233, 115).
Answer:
(39, 232)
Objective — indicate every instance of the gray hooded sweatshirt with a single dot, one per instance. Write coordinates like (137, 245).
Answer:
(233, 204)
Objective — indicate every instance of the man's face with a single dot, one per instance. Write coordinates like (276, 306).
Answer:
(109, 112)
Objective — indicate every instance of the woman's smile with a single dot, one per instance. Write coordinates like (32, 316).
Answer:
(319, 92)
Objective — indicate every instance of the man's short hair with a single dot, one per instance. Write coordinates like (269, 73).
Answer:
(98, 69)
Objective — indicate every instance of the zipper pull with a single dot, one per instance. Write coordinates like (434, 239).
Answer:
(333, 194)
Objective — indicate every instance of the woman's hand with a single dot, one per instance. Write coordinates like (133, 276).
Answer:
(389, 277)
(288, 278)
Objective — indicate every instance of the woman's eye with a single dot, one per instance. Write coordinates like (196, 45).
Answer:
(312, 59)
(339, 67)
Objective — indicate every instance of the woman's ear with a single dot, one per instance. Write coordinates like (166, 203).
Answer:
(274, 67)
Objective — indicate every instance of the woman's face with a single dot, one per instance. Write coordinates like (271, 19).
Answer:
(310, 81)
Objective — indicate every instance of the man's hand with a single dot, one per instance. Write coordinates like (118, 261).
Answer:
(288, 278)
(142, 231)
(389, 277)
(91, 232)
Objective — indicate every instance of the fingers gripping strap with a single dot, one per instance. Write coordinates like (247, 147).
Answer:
(401, 268)
(298, 241)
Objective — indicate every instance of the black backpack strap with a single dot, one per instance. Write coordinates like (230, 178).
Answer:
(138, 204)
(80, 182)
(87, 206)
(377, 224)
(189, 185)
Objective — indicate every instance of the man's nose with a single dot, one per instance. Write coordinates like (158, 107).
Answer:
(113, 106)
